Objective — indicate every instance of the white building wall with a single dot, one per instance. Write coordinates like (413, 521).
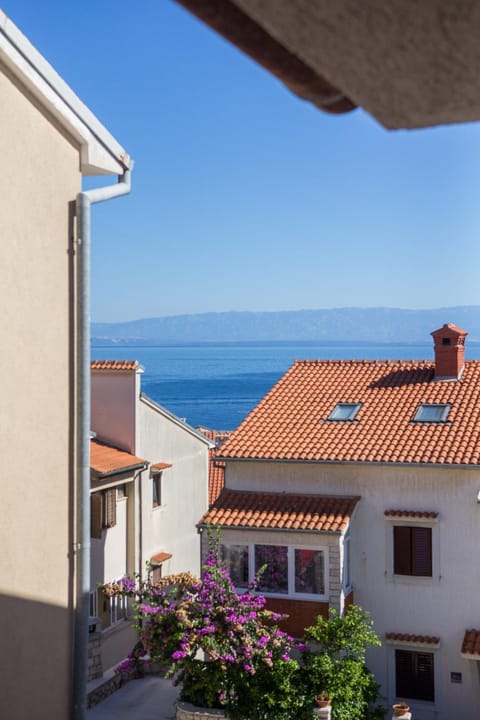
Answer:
(444, 605)
(113, 399)
(172, 526)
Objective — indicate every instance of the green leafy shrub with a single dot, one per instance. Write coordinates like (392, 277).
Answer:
(335, 663)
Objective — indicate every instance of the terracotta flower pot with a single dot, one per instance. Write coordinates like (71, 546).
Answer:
(400, 709)
(322, 702)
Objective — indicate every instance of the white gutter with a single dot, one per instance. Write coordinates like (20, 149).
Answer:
(100, 154)
(82, 504)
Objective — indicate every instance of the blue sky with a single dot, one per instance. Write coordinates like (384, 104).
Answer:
(245, 197)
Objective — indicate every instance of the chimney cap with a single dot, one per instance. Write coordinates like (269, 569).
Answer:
(449, 330)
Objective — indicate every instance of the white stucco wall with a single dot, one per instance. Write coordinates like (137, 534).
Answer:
(109, 554)
(40, 178)
(172, 526)
(113, 399)
(444, 605)
(125, 419)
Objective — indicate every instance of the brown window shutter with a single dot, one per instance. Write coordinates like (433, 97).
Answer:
(414, 675)
(422, 551)
(425, 676)
(96, 515)
(402, 550)
(110, 508)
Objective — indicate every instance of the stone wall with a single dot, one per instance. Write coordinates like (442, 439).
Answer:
(95, 669)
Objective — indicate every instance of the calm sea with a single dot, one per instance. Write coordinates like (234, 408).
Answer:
(216, 385)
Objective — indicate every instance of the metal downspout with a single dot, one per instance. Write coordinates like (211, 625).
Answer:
(82, 493)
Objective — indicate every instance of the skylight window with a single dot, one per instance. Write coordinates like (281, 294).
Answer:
(432, 413)
(345, 411)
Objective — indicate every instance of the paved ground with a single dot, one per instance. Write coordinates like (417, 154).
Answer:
(152, 698)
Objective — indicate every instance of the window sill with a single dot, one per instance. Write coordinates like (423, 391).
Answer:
(413, 580)
(158, 507)
(117, 627)
(297, 596)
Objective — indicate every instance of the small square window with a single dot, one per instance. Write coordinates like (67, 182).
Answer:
(345, 411)
(432, 413)
(412, 550)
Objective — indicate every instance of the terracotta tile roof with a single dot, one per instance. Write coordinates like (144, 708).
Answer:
(471, 643)
(411, 513)
(279, 511)
(216, 477)
(160, 466)
(107, 460)
(412, 639)
(291, 422)
(114, 365)
(160, 558)
(216, 468)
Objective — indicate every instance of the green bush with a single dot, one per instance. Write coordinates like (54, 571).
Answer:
(335, 663)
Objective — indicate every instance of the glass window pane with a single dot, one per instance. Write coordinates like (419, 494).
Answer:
(274, 579)
(236, 560)
(432, 413)
(309, 572)
(344, 411)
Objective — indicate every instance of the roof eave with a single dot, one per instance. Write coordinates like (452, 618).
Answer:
(379, 463)
(205, 526)
(100, 153)
(119, 471)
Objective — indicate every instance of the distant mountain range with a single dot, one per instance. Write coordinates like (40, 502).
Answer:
(380, 325)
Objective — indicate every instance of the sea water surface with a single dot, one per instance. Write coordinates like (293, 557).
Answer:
(216, 385)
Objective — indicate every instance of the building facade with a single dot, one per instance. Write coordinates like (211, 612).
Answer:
(49, 140)
(376, 466)
(149, 486)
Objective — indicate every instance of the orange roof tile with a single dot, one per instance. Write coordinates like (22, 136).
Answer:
(279, 511)
(160, 466)
(414, 639)
(107, 460)
(114, 365)
(160, 558)
(291, 422)
(216, 468)
(216, 477)
(471, 643)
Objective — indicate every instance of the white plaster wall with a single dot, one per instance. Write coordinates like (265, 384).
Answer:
(109, 554)
(172, 527)
(39, 180)
(445, 605)
(113, 399)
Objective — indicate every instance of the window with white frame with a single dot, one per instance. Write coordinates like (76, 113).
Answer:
(347, 573)
(412, 550)
(287, 571)
(111, 610)
(412, 546)
(236, 559)
(94, 603)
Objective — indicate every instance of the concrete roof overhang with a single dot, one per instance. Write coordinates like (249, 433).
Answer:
(409, 64)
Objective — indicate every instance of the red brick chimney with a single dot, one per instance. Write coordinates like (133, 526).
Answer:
(449, 346)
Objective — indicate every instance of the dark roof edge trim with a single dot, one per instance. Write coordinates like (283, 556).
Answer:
(244, 32)
(380, 463)
(121, 471)
(204, 526)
